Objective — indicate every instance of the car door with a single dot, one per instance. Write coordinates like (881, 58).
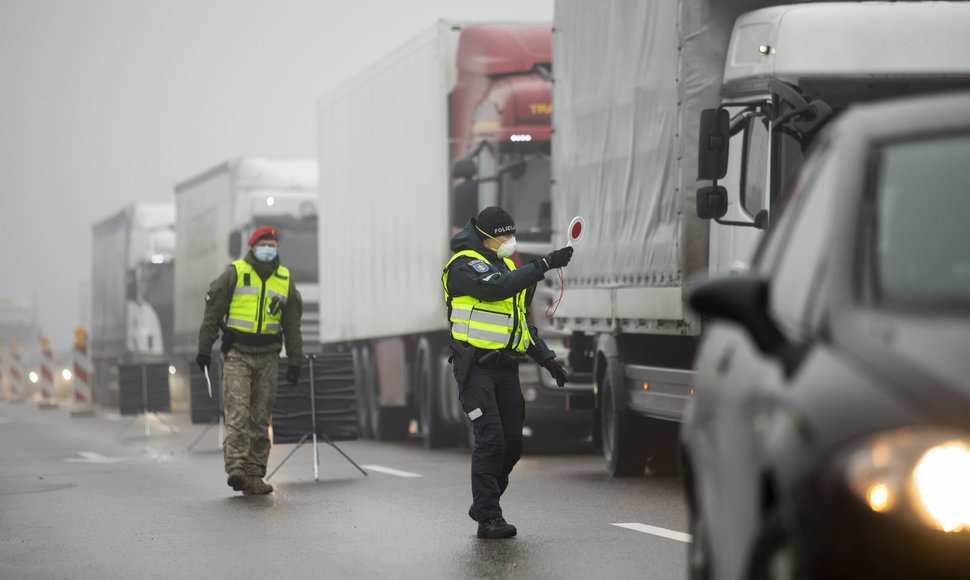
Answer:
(744, 391)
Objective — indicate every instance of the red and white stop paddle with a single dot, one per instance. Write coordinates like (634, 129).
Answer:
(576, 229)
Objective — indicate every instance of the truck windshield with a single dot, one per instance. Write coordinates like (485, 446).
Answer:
(525, 193)
(298, 246)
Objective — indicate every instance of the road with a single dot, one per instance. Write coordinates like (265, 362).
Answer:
(97, 497)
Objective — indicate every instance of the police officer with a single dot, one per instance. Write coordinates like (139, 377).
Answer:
(257, 305)
(487, 300)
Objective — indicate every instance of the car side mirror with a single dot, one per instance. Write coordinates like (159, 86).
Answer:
(742, 299)
(712, 202)
(712, 146)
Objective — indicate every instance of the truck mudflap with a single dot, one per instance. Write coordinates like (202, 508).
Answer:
(658, 392)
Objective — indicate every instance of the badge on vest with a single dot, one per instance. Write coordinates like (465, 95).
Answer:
(480, 266)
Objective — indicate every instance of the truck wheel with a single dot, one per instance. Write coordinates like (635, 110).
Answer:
(434, 431)
(624, 434)
(361, 388)
(384, 423)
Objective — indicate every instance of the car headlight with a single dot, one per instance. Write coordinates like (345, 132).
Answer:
(922, 472)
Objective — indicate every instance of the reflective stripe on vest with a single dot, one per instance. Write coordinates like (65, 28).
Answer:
(249, 309)
(490, 325)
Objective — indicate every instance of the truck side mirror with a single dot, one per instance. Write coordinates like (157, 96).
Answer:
(235, 244)
(712, 202)
(463, 169)
(464, 201)
(712, 154)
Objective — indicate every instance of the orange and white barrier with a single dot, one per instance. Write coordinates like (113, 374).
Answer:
(16, 370)
(48, 398)
(3, 375)
(82, 375)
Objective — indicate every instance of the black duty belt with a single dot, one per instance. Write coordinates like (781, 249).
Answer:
(500, 359)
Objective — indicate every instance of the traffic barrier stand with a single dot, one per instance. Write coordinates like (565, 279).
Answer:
(82, 376)
(344, 428)
(143, 388)
(47, 401)
(205, 398)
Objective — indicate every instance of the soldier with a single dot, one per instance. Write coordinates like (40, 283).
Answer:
(487, 300)
(257, 305)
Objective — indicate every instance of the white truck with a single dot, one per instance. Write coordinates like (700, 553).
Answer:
(132, 282)
(217, 212)
(472, 94)
(651, 97)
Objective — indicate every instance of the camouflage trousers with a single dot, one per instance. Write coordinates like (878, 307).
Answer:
(249, 391)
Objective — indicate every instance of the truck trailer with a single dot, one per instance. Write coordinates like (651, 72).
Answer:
(475, 97)
(132, 285)
(652, 97)
(218, 210)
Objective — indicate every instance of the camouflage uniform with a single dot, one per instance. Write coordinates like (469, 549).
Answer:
(249, 377)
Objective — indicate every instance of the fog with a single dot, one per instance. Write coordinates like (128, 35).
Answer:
(106, 102)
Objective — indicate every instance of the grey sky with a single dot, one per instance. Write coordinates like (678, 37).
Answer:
(105, 102)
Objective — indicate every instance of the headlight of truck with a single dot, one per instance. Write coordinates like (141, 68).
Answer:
(922, 472)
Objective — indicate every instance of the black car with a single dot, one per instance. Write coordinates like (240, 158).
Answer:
(829, 432)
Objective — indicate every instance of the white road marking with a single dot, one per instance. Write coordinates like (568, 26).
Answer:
(655, 531)
(390, 471)
(92, 457)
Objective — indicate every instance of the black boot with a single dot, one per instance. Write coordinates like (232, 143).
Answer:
(497, 528)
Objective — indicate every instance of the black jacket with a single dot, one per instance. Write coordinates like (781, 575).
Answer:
(493, 281)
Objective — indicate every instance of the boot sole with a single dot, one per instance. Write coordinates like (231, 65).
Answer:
(502, 536)
(237, 482)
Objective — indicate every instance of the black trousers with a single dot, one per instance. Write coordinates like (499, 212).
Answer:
(493, 400)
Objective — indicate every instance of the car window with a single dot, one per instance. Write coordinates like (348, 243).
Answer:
(796, 274)
(922, 251)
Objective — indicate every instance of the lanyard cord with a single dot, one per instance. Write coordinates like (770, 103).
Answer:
(562, 290)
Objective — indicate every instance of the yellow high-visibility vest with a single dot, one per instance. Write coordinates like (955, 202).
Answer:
(490, 325)
(253, 308)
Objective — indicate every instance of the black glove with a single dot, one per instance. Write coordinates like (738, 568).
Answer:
(557, 371)
(293, 375)
(203, 361)
(559, 258)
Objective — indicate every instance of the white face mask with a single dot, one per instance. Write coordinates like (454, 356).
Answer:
(506, 249)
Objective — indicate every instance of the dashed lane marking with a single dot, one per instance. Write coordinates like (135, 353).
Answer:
(390, 471)
(655, 531)
(92, 457)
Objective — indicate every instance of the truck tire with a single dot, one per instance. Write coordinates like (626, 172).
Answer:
(624, 434)
(384, 423)
(434, 428)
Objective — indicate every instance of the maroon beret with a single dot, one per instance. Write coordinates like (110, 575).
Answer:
(264, 232)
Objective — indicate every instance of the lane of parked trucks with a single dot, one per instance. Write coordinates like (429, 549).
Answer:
(672, 127)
